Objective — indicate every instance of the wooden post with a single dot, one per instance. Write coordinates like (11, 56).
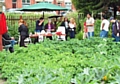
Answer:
(1, 43)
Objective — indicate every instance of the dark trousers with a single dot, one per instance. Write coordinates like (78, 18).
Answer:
(22, 38)
(11, 49)
(66, 32)
(50, 37)
(36, 40)
(72, 34)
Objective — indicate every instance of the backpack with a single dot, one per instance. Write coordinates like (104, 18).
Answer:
(116, 29)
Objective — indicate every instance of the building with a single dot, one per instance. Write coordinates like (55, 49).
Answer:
(63, 3)
(18, 3)
(2, 5)
(14, 4)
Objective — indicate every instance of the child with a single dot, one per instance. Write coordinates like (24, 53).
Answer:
(85, 34)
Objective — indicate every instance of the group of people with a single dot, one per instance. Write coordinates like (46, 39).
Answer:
(105, 25)
(69, 25)
(10, 41)
(70, 29)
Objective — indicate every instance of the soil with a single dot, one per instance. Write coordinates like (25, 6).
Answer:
(2, 81)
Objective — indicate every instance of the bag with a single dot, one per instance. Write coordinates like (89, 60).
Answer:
(72, 29)
(116, 28)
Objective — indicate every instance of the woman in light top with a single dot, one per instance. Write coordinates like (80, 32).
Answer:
(72, 27)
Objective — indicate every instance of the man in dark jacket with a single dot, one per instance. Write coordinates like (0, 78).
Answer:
(39, 27)
(7, 37)
(116, 31)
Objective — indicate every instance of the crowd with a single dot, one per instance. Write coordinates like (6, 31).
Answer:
(70, 28)
(50, 26)
(105, 27)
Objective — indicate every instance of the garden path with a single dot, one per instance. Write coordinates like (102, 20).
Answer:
(2, 81)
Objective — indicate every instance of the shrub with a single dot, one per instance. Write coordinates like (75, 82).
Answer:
(79, 35)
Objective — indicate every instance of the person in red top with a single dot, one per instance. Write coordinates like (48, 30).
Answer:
(3, 26)
(85, 34)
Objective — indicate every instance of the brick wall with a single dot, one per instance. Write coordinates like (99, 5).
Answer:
(62, 4)
(19, 4)
(8, 4)
(32, 2)
(73, 8)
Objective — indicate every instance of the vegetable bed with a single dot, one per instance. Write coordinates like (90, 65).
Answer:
(89, 61)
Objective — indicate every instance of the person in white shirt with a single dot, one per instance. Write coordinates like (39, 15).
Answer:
(90, 25)
(72, 27)
(104, 27)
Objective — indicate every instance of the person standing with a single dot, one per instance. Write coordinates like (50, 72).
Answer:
(49, 27)
(85, 34)
(104, 27)
(115, 29)
(39, 28)
(65, 23)
(39, 25)
(90, 25)
(72, 27)
(112, 20)
(23, 29)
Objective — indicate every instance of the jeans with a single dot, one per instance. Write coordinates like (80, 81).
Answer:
(13, 42)
(90, 34)
(117, 39)
(104, 34)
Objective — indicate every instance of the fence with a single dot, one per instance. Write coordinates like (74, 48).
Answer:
(12, 22)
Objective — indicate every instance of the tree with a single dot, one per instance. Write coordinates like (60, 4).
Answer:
(95, 5)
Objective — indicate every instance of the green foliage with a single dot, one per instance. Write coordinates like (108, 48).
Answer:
(89, 61)
(79, 35)
(97, 27)
(93, 5)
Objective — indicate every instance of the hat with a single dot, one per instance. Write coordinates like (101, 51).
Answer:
(111, 18)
